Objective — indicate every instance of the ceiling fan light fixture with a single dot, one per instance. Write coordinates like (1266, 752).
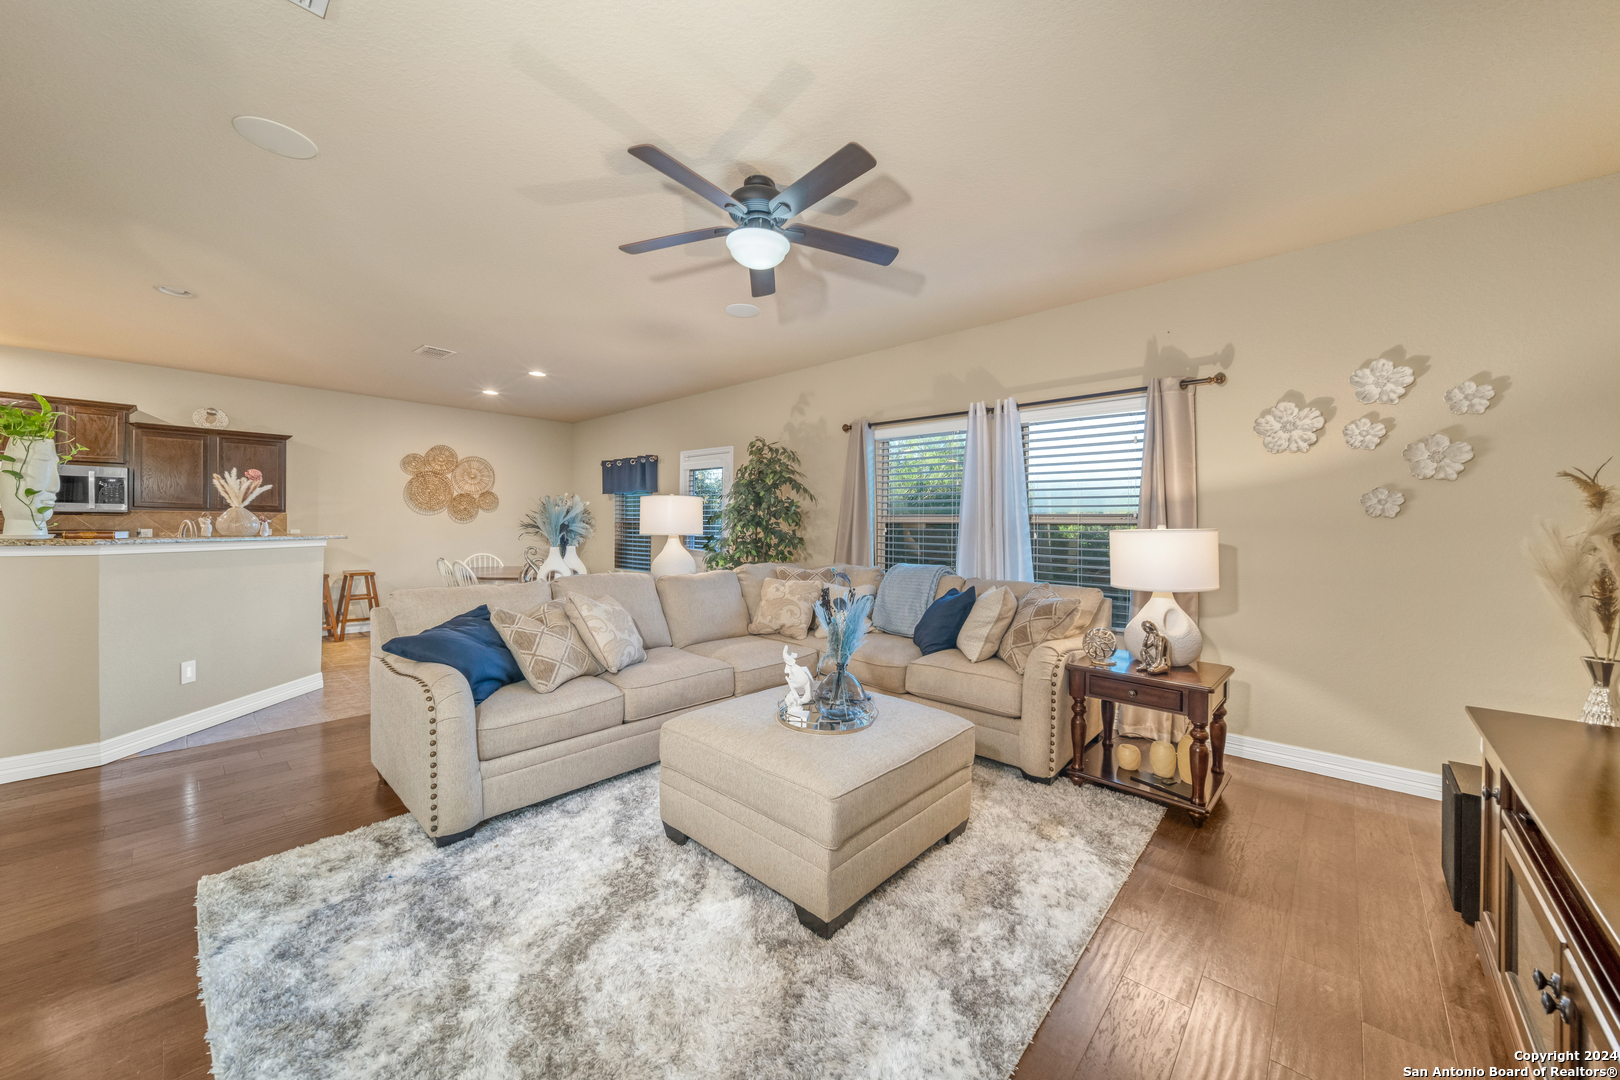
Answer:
(757, 247)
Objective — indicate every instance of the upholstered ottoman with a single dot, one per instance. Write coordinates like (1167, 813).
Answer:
(823, 819)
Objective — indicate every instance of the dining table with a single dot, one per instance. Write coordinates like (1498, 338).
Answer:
(500, 575)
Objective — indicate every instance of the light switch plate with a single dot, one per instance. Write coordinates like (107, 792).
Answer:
(188, 671)
(317, 6)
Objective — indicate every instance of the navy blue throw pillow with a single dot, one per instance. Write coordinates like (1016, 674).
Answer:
(937, 629)
(467, 643)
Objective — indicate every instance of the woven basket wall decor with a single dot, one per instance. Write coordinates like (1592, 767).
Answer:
(442, 480)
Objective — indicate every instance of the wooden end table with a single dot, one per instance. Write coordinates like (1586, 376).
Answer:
(1184, 691)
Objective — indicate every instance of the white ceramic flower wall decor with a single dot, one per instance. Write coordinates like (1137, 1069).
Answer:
(1381, 382)
(1465, 398)
(1363, 434)
(1287, 427)
(1437, 457)
(1382, 503)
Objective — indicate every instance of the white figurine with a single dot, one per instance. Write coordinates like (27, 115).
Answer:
(799, 686)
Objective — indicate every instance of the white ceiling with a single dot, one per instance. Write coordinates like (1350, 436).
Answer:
(472, 185)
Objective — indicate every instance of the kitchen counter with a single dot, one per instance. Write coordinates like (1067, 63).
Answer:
(14, 542)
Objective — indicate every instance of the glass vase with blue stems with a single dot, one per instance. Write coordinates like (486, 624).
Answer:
(841, 701)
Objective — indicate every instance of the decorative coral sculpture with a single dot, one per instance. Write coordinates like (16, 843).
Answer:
(1437, 457)
(1287, 427)
(1381, 382)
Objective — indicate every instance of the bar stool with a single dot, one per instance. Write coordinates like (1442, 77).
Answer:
(347, 595)
(328, 616)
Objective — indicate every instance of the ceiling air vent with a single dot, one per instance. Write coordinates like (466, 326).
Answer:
(434, 351)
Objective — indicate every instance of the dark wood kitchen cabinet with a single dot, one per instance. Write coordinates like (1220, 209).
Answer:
(101, 427)
(173, 467)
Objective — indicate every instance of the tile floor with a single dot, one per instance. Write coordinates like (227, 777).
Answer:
(345, 668)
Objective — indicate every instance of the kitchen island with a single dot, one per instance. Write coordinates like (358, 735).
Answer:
(94, 634)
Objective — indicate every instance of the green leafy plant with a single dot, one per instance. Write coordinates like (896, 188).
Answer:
(761, 518)
(23, 426)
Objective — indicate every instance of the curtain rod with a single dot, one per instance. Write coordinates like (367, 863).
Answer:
(1218, 379)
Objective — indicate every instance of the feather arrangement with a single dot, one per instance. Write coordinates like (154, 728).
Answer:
(563, 520)
(845, 620)
(1581, 571)
(241, 490)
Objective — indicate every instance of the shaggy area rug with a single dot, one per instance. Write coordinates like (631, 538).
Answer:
(573, 939)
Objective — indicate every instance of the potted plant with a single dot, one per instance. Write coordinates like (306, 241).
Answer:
(762, 516)
(1581, 571)
(29, 478)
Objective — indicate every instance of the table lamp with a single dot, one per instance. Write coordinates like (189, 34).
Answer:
(1165, 561)
(674, 516)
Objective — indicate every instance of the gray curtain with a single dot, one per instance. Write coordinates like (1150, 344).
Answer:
(992, 538)
(1169, 498)
(853, 542)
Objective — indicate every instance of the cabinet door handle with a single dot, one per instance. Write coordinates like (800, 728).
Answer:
(1553, 982)
(1566, 1010)
(1548, 1003)
(1491, 794)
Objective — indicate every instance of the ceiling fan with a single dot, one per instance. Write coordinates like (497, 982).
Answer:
(761, 237)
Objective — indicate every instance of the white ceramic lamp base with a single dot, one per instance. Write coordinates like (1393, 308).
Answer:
(1178, 628)
(674, 559)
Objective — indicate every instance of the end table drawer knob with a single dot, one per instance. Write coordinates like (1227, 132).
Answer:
(1133, 693)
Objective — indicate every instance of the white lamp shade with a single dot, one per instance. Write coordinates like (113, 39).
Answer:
(671, 515)
(756, 247)
(1165, 560)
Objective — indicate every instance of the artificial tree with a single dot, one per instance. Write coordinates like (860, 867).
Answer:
(761, 518)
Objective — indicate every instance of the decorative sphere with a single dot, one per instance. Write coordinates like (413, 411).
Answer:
(1128, 756)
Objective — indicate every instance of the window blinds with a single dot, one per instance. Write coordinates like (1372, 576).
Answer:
(918, 497)
(631, 550)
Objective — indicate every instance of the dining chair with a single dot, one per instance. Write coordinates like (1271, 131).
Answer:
(446, 573)
(481, 562)
(464, 574)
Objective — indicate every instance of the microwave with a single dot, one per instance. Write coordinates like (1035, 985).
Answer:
(93, 489)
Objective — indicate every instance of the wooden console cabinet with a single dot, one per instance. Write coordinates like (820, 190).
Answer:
(172, 467)
(1550, 881)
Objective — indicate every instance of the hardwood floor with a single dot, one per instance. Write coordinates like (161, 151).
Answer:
(1304, 932)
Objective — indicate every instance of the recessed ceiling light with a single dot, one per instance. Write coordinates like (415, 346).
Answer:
(742, 311)
(538, 374)
(170, 290)
(492, 393)
(274, 137)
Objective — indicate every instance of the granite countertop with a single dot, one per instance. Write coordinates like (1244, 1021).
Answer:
(32, 541)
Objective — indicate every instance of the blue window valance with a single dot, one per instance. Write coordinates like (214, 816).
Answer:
(631, 474)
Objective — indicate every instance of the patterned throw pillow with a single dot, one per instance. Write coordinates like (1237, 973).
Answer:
(608, 631)
(793, 573)
(992, 614)
(1042, 616)
(785, 607)
(545, 645)
(836, 591)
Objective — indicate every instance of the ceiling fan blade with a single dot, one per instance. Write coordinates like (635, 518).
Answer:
(674, 240)
(683, 176)
(869, 250)
(763, 281)
(823, 180)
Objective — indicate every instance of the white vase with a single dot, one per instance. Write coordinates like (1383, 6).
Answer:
(36, 460)
(555, 561)
(575, 563)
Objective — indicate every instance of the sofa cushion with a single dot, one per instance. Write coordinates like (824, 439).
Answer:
(1017, 588)
(943, 620)
(467, 643)
(750, 576)
(757, 661)
(671, 679)
(636, 593)
(415, 610)
(517, 717)
(1044, 614)
(987, 624)
(880, 663)
(786, 607)
(990, 685)
(546, 645)
(608, 631)
(799, 573)
(703, 607)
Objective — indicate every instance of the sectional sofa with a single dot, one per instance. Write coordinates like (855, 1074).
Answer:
(455, 765)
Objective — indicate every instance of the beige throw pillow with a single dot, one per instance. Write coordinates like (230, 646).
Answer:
(987, 624)
(608, 631)
(545, 645)
(836, 591)
(1042, 616)
(786, 607)
(794, 573)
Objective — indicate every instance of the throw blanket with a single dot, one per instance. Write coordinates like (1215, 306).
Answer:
(903, 596)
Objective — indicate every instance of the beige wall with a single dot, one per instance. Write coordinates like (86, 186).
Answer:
(1349, 635)
(49, 652)
(343, 459)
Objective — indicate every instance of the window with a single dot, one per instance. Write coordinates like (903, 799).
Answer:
(707, 474)
(918, 476)
(1083, 464)
(631, 550)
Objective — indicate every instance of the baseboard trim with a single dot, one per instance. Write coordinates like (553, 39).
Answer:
(1356, 770)
(90, 755)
